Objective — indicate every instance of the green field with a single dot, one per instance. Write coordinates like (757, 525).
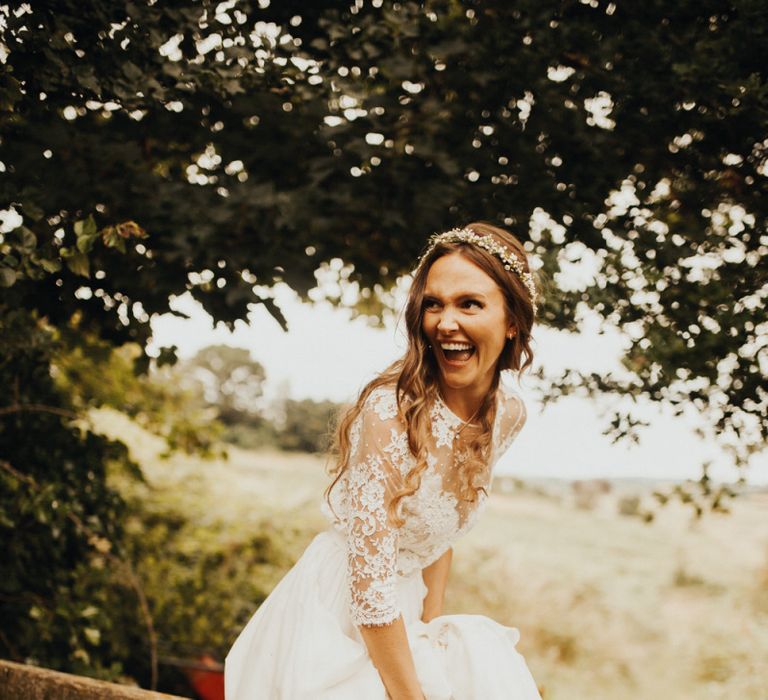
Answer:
(608, 607)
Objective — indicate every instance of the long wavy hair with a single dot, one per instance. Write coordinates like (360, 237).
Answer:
(415, 375)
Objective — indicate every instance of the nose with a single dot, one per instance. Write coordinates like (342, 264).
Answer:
(447, 322)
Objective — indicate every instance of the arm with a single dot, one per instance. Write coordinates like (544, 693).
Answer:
(435, 577)
(372, 544)
(388, 648)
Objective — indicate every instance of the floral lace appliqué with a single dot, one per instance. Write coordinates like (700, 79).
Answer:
(384, 402)
(371, 545)
(444, 424)
(434, 516)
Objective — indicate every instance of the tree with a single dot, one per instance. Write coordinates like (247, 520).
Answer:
(94, 374)
(306, 425)
(70, 597)
(253, 143)
(59, 519)
(231, 381)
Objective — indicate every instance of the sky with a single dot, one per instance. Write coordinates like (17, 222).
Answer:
(327, 355)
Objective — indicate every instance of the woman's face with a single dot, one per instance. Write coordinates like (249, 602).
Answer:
(466, 322)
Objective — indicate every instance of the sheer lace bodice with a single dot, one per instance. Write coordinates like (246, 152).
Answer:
(434, 516)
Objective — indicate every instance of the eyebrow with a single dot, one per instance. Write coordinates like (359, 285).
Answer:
(461, 296)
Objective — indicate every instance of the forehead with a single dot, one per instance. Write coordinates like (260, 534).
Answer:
(455, 275)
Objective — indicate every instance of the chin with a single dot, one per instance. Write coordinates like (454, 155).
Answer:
(454, 382)
(470, 380)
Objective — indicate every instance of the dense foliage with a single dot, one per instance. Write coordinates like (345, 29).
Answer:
(81, 561)
(203, 583)
(59, 520)
(306, 425)
(252, 143)
(148, 149)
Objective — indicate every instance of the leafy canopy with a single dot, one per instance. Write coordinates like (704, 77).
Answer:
(215, 148)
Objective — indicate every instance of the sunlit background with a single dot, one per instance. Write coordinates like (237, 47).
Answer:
(327, 354)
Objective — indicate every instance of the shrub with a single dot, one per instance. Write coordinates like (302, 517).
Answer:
(629, 506)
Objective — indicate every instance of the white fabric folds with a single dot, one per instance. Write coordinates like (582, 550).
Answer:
(302, 645)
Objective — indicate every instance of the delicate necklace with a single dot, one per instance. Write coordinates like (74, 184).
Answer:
(466, 422)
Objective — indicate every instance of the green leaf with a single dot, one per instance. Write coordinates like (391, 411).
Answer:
(132, 71)
(112, 239)
(33, 211)
(86, 233)
(7, 277)
(50, 265)
(172, 69)
(85, 226)
(167, 355)
(27, 240)
(92, 635)
(79, 264)
(141, 364)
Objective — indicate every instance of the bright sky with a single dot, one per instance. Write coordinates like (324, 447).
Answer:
(326, 355)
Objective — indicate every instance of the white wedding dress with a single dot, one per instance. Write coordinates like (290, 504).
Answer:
(303, 642)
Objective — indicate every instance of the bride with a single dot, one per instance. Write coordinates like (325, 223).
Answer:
(359, 617)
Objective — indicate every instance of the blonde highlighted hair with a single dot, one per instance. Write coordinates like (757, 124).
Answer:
(415, 376)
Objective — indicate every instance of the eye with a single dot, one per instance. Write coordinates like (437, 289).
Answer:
(429, 304)
(472, 304)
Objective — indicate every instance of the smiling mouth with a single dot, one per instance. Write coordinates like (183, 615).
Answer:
(457, 352)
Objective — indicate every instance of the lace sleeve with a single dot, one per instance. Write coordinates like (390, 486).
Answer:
(511, 419)
(371, 539)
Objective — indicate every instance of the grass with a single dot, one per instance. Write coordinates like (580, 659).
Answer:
(608, 606)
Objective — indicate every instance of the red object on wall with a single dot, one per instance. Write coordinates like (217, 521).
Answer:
(207, 678)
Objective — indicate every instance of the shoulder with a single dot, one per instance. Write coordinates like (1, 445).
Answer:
(378, 436)
(381, 403)
(378, 415)
(511, 413)
(508, 397)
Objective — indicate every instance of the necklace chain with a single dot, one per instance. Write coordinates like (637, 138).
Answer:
(466, 423)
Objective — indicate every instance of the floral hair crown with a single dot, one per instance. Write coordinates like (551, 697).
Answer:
(510, 261)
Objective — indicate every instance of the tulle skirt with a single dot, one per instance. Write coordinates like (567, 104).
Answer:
(302, 645)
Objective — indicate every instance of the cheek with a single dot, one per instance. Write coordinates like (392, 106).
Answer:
(494, 337)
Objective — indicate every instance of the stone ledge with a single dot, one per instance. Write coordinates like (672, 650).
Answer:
(24, 682)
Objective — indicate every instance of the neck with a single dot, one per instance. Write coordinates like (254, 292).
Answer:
(465, 402)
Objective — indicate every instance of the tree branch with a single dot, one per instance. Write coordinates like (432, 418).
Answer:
(37, 408)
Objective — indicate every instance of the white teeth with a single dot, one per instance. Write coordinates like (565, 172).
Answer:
(456, 346)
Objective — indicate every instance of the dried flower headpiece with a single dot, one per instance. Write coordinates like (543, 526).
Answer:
(510, 261)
